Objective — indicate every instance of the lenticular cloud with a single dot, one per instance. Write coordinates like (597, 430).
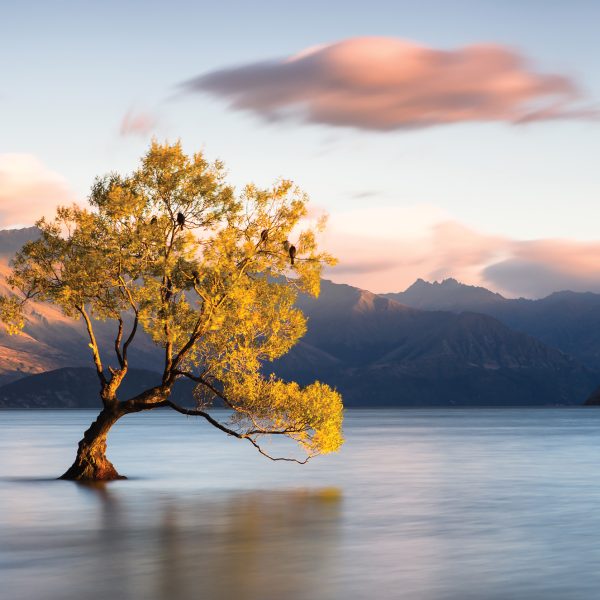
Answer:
(384, 84)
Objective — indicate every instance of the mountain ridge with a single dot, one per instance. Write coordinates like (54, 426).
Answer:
(376, 350)
(566, 320)
(438, 357)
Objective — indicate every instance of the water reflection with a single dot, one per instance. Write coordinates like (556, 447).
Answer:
(427, 505)
(247, 545)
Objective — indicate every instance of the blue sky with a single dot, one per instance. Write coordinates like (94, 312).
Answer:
(73, 70)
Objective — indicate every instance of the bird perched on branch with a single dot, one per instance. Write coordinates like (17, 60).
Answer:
(180, 219)
(286, 246)
(169, 285)
(264, 235)
(292, 253)
(196, 276)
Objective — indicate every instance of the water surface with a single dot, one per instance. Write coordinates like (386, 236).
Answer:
(424, 504)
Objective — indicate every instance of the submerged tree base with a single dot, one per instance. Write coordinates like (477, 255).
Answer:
(91, 463)
(92, 470)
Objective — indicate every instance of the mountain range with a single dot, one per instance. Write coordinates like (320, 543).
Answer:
(568, 321)
(50, 340)
(435, 344)
(77, 387)
(380, 352)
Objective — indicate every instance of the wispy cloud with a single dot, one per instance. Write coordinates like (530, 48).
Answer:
(137, 123)
(385, 84)
(29, 190)
(365, 194)
(387, 249)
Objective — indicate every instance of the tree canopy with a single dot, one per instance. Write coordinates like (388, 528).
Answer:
(207, 272)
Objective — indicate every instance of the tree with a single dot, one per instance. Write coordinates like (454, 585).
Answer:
(206, 273)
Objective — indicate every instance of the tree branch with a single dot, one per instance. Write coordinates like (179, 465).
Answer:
(173, 363)
(118, 343)
(240, 436)
(198, 331)
(93, 344)
(206, 383)
(135, 321)
(166, 302)
(151, 398)
(276, 458)
(130, 338)
(259, 430)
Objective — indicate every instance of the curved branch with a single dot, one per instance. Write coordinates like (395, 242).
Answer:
(206, 383)
(118, 343)
(134, 327)
(93, 344)
(193, 412)
(130, 337)
(259, 430)
(240, 436)
(198, 330)
(276, 458)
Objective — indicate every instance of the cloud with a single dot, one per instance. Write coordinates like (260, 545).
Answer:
(361, 267)
(540, 267)
(29, 190)
(385, 84)
(387, 249)
(365, 194)
(137, 123)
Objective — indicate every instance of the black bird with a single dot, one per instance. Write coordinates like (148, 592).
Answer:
(264, 235)
(169, 291)
(153, 221)
(292, 252)
(180, 219)
(196, 276)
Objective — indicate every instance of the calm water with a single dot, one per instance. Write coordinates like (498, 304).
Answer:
(448, 504)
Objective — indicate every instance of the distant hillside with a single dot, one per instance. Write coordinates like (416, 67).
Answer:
(12, 240)
(379, 352)
(78, 388)
(376, 350)
(447, 295)
(569, 321)
(50, 340)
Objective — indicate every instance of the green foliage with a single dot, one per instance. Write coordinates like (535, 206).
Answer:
(205, 272)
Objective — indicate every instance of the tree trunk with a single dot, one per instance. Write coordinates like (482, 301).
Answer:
(91, 463)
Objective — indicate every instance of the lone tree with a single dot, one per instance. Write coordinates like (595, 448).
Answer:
(205, 272)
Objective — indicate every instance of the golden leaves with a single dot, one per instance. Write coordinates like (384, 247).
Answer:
(11, 314)
(207, 274)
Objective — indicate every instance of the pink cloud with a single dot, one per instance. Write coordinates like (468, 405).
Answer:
(540, 267)
(137, 123)
(29, 190)
(384, 84)
(389, 249)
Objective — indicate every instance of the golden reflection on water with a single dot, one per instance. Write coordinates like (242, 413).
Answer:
(248, 545)
(436, 505)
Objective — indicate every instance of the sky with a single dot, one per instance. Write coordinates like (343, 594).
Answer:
(444, 139)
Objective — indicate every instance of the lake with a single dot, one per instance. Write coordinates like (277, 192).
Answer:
(419, 504)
